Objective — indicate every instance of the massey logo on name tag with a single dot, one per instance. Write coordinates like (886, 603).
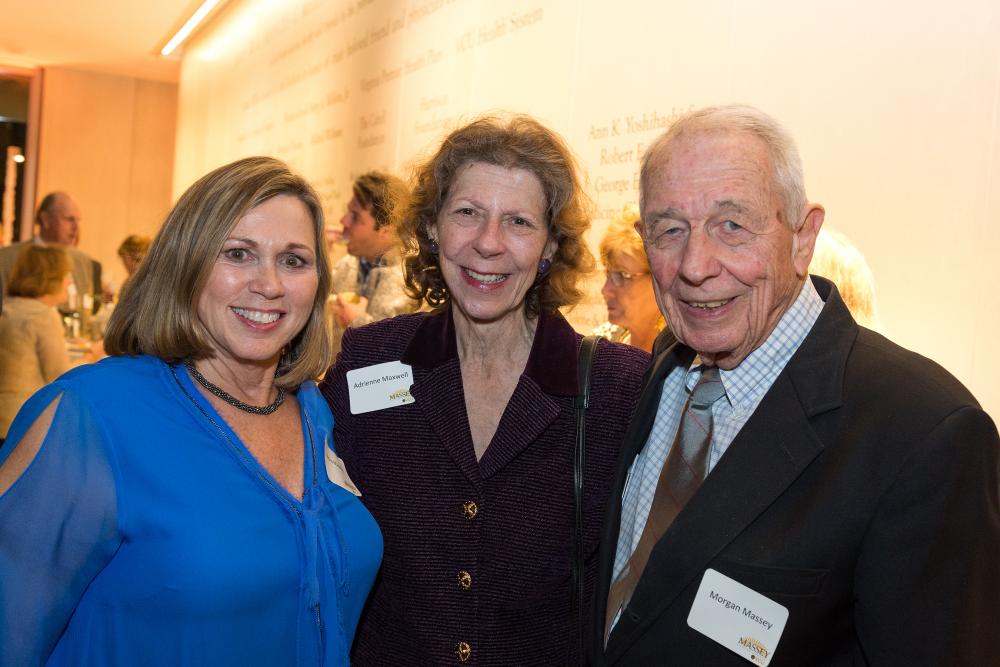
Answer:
(380, 386)
(739, 618)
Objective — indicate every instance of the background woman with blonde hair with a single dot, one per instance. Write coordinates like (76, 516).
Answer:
(838, 259)
(132, 251)
(176, 509)
(633, 316)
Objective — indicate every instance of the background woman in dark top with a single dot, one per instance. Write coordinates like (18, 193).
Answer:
(470, 475)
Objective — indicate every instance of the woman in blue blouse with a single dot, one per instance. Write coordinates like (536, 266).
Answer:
(171, 505)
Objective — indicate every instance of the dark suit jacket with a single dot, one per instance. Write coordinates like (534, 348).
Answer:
(478, 551)
(862, 495)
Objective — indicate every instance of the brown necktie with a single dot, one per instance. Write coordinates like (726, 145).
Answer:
(682, 474)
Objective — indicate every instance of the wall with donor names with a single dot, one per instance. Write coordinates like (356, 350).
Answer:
(895, 105)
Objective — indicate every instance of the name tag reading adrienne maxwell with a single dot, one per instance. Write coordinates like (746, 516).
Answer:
(739, 618)
(380, 386)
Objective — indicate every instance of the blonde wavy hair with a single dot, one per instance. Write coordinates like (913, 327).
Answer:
(621, 238)
(840, 261)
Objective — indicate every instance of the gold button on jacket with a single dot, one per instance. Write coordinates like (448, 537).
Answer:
(463, 651)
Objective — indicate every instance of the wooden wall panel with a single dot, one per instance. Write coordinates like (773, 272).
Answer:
(153, 131)
(108, 141)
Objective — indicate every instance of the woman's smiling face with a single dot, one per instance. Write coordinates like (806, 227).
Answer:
(260, 292)
(492, 232)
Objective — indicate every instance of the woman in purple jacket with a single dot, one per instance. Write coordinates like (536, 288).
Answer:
(458, 425)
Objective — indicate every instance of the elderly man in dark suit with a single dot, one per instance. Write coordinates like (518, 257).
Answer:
(794, 489)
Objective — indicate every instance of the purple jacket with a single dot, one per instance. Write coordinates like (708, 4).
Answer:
(477, 554)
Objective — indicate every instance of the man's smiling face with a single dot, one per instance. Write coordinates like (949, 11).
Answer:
(725, 265)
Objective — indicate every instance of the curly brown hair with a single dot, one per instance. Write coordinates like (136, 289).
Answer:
(516, 142)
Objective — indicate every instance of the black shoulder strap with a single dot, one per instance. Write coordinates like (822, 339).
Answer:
(586, 360)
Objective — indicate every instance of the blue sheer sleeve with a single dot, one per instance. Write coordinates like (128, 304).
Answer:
(58, 519)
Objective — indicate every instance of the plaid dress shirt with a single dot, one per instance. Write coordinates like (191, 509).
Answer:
(745, 387)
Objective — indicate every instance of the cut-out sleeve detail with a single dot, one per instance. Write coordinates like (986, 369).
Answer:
(18, 456)
(58, 519)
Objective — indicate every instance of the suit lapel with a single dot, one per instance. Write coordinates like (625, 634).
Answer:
(672, 356)
(548, 382)
(438, 393)
(549, 378)
(771, 451)
(667, 356)
(529, 412)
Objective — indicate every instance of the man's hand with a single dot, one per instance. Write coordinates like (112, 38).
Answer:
(347, 306)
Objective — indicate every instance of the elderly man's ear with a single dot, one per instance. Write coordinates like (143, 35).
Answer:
(804, 240)
(44, 222)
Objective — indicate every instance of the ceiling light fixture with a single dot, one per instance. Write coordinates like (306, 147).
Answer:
(188, 27)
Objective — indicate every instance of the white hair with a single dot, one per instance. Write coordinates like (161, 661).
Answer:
(785, 162)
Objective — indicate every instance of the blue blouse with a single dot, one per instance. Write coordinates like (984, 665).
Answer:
(144, 532)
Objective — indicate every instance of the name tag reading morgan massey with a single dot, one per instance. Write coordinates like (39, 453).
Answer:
(379, 387)
(739, 618)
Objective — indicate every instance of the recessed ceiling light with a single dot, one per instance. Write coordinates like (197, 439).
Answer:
(188, 26)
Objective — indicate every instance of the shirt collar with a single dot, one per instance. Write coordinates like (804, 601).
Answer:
(552, 362)
(751, 379)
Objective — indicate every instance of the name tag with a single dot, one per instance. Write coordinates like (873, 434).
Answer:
(380, 386)
(739, 618)
(336, 472)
